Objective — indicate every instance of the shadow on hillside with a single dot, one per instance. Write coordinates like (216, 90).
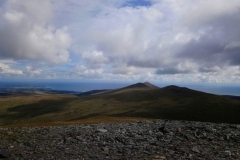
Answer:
(130, 113)
(133, 96)
(93, 115)
(24, 112)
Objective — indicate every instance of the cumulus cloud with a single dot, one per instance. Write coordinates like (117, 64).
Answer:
(125, 39)
(119, 32)
(165, 38)
(198, 13)
(6, 69)
(84, 72)
(31, 71)
(126, 70)
(181, 68)
(218, 37)
(95, 59)
(26, 32)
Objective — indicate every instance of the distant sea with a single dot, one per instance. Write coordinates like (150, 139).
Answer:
(87, 86)
(69, 86)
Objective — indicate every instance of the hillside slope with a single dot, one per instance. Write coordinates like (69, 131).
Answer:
(133, 87)
(140, 100)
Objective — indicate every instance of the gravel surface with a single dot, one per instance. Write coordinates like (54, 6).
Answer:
(158, 139)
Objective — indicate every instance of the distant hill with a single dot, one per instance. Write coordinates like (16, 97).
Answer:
(5, 90)
(92, 92)
(137, 86)
(173, 102)
(145, 85)
(137, 101)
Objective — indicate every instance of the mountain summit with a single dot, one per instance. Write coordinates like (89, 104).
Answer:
(137, 86)
(150, 85)
(145, 85)
(133, 87)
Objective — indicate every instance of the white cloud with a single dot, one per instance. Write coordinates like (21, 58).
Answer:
(119, 32)
(26, 33)
(95, 59)
(201, 12)
(6, 69)
(170, 40)
(84, 72)
(124, 70)
(131, 39)
(31, 71)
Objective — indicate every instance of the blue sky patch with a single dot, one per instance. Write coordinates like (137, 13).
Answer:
(137, 3)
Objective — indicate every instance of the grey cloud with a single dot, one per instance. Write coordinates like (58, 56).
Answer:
(176, 70)
(163, 40)
(95, 59)
(208, 69)
(171, 70)
(219, 41)
(232, 55)
(153, 46)
(26, 32)
(145, 63)
(206, 49)
(122, 71)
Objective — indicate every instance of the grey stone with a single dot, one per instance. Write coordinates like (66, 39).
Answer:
(195, 149)
(102, 130)
(132, 140)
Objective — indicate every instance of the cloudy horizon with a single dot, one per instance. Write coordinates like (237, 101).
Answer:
(190, 41)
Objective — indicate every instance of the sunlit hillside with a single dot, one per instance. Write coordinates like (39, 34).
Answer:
(137, 101)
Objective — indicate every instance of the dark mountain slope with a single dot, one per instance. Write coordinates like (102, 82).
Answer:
(151, 85)
(232, 97)
(172, 102)
(141, 100)
(145, 85)
(92, 92)
(134, 87)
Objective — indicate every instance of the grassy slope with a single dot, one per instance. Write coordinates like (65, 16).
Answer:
(177, 103)
(168, 103)
(33, 108)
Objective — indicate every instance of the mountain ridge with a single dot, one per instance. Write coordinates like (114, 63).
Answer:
(136, 86)
(136, 101)
(150, 85)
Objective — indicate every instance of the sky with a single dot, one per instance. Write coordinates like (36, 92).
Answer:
(189, 41)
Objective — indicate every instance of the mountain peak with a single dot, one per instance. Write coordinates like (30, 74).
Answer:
(136, 86)
(145, 85)
(150, 85)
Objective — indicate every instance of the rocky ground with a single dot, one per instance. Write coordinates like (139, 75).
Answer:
(158, 139)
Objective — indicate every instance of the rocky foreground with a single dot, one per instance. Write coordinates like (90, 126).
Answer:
(158, 139)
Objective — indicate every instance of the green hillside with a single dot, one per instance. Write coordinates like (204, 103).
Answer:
(137, 101)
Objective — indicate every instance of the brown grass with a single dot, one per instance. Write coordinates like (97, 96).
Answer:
(130, 105)
(93, 120)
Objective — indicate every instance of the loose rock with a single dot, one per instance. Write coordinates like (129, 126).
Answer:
(102, 130)
(195, 149)
(157, 139)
